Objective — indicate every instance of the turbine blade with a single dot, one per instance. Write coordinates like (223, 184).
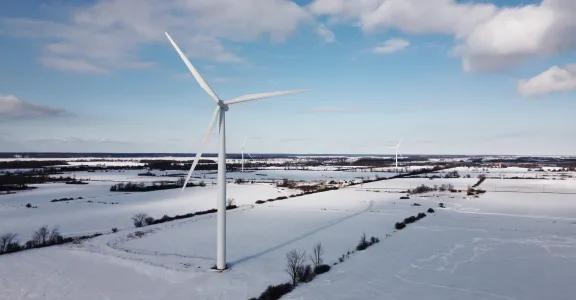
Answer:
(203, 84)
(204, 142)
(258, 96)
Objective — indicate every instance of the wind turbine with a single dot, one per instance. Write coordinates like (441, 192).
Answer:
(242, 151)
(396, 149)
(219, 115)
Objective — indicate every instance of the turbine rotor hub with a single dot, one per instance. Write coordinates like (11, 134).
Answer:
(222, 105)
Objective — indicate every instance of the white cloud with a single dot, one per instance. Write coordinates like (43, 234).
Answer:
(326, 34)
(487, 37)
(515, 34)
(391, 46)
(431, 16)
(555, 79)
(12, 107)
(343, 10)
(108, 34)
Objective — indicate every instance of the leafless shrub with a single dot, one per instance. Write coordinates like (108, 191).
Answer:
(140, 219)
(41, 236)
(54, 236)
(294, 264)
(316, 256)
(6, 240)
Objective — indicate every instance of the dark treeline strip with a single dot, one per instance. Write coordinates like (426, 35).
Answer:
(17, 182)
(156, 186)
(30, 164)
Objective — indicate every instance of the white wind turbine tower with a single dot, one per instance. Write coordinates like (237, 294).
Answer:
(396, 149)
(219, 114)
(242, 151)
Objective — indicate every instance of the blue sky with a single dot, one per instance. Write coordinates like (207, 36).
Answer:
(99, 76)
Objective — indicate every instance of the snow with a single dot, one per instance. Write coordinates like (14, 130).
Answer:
(100, 210)
(516, 241)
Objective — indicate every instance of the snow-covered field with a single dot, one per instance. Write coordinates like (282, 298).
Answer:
(516, 241)
(99, 210)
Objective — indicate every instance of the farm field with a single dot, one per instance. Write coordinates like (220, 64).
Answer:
(469, 249)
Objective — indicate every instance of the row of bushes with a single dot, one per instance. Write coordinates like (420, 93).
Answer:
(411, 219)
(66, 199)
(142, 219)
(156, 186)
(43, 237)
(441, 188)
(365, 243)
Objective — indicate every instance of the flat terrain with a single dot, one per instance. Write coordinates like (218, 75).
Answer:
(516, 241)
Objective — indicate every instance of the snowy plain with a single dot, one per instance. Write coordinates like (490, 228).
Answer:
(516, 241)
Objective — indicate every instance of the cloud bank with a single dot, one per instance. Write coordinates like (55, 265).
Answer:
(109, 34)
(12, 107)
(487, 37)
(555, 79)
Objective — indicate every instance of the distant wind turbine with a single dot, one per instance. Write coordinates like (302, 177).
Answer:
(219, 114)
(242, 151)
(396, 149)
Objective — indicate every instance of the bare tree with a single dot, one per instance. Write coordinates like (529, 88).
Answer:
(55, 236)
(316, 256)
(140, 219)
(6, 240)
(294, 264)
(41, 235)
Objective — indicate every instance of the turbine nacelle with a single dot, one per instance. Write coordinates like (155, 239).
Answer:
(223, 106)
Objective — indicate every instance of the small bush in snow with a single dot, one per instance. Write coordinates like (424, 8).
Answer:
(305, 274)
(320, 269)
(260, 201)
(148, 221)
(441, 205)
(140, 219)
(274, 292)
(410, 220)
(114, 229)
(363, 243)
(420, 216)
(430, 210)
(399, 225)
